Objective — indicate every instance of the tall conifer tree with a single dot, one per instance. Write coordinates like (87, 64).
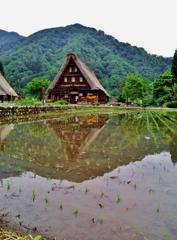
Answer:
(1, 68)
(174, 67)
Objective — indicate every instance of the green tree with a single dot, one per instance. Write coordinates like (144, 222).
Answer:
(162, 87)
(174, 67)
(35, 86)
(120, 88)
(1, 68)
(134, 87)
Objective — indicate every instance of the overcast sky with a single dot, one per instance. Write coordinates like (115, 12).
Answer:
(151, 24)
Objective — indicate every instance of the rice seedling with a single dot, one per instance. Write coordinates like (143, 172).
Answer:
(46, 198)
(97, 164)
(33, 194)
(107, 177)
(19, 189)
(87, 189)
(69, 169)
(60, 204)
(135, 233)
(8, 183)
(109, 166)
(57, 165)
(9, 166)
(87, 162)
(118, 197)
(160, 178)
(167, 237)
(75, 210)
(34, 173)
(134, 185)
(143, 165)
(118, 169)
(100, 219)
(47, 164)
(73, 185)
(47, 177)
(102, 193)
(151, 190)
(158, 207)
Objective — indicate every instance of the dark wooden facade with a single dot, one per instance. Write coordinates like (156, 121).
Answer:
(76, 83)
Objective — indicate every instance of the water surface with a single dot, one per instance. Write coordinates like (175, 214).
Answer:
(118, 171)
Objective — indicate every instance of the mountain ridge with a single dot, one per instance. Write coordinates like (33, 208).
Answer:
(44, 52)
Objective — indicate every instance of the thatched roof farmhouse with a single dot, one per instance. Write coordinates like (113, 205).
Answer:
(76, 83)
(6, 91)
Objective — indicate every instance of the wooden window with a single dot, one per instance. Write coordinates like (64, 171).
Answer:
(75, 69)
(81, 94)
(73, 79)
(66, 96)
(81, 79)
(89, 94)
(65, 79)
(70, 69)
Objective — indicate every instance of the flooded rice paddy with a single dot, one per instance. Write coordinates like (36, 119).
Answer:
(93, 176)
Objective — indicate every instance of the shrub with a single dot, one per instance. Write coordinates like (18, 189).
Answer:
(61, 102)
(172, 104)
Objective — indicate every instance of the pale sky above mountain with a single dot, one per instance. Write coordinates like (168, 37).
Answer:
(150, 24)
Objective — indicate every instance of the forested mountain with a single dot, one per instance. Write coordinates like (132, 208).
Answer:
(44, 52)
(7, 41)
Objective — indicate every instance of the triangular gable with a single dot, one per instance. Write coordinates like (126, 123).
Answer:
(86, 72)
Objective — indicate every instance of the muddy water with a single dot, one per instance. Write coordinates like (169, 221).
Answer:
(119, 172)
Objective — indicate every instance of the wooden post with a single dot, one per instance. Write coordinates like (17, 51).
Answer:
(43, 95)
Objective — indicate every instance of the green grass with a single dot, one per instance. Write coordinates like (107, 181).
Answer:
(28, 102)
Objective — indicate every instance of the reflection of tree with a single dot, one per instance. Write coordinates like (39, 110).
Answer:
(134, 135)
(173, 149)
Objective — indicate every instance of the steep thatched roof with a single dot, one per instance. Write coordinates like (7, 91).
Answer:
(5, 88)
(86, 72)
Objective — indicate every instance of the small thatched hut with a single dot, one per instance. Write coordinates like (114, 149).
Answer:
(6, 91)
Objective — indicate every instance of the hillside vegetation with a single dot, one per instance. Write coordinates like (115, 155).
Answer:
(43, 53)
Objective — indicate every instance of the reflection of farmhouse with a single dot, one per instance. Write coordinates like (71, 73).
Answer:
(6, 92)
(4, 131)
(80, 135)
(76, 83)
